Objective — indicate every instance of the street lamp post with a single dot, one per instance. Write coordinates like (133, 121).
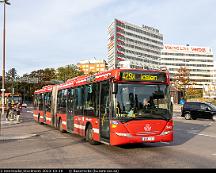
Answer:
(5, 2)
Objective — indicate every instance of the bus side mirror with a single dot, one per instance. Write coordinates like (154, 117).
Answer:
(115, 88)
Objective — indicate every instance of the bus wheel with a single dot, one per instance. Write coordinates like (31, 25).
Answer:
(89, 135)
(60, 126)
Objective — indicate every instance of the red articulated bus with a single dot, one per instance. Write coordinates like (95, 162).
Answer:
(115, 107)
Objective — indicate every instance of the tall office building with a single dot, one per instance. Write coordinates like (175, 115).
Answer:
(199, 60)
(139, 45)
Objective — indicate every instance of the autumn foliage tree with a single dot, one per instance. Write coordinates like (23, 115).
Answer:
(183, 82)
(68, 72)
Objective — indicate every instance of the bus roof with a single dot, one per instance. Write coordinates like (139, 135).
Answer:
(45, 89)
(86, 79)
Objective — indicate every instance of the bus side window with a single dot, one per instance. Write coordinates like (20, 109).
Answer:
(40, 101)
(70, 100)
(47, 99)
(64, 100)
(35, 101)
(89, 109)
(91, 100)
(79, 102)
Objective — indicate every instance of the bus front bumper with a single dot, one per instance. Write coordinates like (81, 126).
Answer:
(126, 138)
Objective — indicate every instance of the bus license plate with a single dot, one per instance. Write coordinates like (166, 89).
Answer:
(148, 138)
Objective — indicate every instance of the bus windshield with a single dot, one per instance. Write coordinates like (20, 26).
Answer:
(139, 101)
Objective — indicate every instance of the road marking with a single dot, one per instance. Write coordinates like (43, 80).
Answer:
(195, 132)
(201, 134)
(30, 111)
(4, 138)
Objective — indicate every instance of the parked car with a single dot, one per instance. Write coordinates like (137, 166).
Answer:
(24, 105)
(194, 110)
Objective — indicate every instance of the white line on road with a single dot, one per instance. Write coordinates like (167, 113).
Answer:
(195, 132)
(201, 134)
(29, 111)
(8, 137)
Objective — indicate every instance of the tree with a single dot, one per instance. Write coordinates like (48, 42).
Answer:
(183, 82)
(48, 76)
(68, 72)
(194, 93)
(11, 75)
(42, 75)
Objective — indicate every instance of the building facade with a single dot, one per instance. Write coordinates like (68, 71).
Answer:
(139, 45)
(92, 66)
(199, 60)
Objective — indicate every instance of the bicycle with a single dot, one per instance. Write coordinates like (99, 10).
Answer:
(13, 115)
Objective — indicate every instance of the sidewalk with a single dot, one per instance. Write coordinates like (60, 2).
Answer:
(12, 133)
(5, 122)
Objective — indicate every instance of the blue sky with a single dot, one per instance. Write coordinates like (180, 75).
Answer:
(54, 33)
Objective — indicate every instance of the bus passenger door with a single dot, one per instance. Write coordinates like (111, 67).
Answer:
(104, 111)
(70, 108)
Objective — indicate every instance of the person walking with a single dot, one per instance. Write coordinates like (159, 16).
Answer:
(8, 110)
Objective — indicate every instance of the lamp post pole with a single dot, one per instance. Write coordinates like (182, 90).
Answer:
(5, 2)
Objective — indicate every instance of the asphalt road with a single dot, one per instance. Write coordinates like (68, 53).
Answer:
(194, 146)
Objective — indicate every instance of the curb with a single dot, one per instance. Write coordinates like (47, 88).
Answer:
(10, 122)
(9, 137)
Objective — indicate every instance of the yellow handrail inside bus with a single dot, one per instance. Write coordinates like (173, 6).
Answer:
(103, 118)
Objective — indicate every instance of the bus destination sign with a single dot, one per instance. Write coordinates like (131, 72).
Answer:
(143, 76)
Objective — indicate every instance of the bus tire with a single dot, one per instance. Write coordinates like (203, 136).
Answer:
(89, 135)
